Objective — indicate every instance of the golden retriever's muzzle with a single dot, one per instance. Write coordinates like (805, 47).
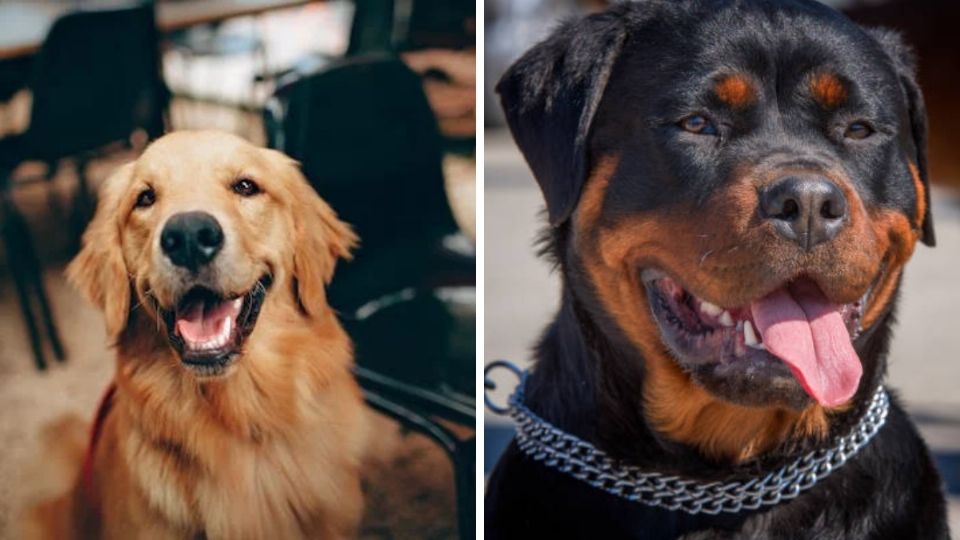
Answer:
(206, 325)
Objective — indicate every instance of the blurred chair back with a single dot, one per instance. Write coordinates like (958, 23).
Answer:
(444, 24)
(96, 80)
(368, 141)
(372, 28)
(404, 25)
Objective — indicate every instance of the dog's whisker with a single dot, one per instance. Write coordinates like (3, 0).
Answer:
(717, 251)
(147, 294)
(705, 255)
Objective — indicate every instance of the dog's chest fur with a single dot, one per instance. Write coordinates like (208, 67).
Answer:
(240, 464)
(255, 490)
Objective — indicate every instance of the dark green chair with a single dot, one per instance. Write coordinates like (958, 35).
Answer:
(95, 82)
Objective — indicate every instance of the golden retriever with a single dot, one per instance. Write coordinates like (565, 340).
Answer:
(233, 412)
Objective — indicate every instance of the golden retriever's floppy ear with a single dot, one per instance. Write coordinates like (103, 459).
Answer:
(320, 238)
(98, 271)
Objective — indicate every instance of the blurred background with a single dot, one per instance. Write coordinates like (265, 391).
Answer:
(522, 294)
(376, 99)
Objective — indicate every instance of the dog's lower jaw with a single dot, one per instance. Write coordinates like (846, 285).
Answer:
(639, 403)
(213, 371)
(682, 411)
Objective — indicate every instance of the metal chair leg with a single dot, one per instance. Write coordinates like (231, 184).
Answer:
(50, 326)
(17, 247)
(32, 275)
(27, 312)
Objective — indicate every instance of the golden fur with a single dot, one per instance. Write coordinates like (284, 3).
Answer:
(271, 449)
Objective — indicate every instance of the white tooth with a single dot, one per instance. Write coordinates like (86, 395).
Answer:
(238, 303)
(726, 319)
(710, 309)
(749, 336)
(225, 331)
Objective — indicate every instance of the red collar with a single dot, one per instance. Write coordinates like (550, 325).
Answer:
(106, 403)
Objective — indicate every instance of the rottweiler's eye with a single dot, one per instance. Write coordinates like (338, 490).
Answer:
(698, 124)
(146, 198)
(858, 130)
(246, 187)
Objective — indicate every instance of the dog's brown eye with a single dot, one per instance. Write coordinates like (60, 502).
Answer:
(246, 187)
(858, 130)
(698, 124)
(146, 198)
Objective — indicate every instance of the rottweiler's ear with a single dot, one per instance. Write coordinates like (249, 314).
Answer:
(99, 271)
(905, 64)
(550, 96)
(320, 239)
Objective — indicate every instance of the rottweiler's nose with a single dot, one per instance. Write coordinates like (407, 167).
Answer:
(806, 209)
(191, 239)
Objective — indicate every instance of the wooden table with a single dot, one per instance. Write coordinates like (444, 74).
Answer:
(24, 24)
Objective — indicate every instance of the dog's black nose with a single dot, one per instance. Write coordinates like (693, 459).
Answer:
(191, 239)
(806, 209)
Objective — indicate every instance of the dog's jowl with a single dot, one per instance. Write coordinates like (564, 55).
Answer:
(733, 190)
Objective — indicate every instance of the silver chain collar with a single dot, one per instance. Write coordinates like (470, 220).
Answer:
(575, 457)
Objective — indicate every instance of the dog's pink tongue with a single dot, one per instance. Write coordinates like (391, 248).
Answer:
(802, 328)
(198, 323)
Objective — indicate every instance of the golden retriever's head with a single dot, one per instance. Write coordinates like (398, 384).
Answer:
(200, 230)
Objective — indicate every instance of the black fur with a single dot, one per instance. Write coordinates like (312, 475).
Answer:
(551, 103)
(616, 81)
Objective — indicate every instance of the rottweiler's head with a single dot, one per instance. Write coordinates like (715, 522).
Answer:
(734, 188)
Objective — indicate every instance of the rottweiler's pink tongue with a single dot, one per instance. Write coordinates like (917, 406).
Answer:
(802, 328)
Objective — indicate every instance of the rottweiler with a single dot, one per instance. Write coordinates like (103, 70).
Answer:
(733, 188)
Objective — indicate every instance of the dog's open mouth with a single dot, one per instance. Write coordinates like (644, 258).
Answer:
(208, 329)
(793, 333)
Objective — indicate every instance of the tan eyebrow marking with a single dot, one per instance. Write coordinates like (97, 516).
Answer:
(735, 90)
(828, 90)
